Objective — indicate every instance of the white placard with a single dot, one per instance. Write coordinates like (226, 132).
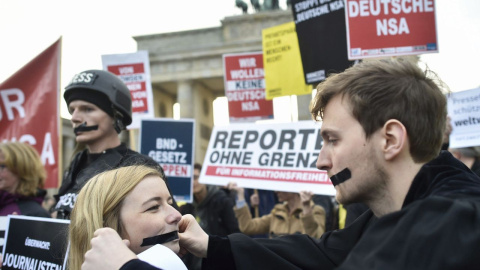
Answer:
(464, 111)
(273, 156)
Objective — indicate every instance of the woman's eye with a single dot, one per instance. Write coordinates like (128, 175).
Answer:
(153, 208)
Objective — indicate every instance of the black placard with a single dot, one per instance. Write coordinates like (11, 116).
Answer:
(35, 243)
(322, 37)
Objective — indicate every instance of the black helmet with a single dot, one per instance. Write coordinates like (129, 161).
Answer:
(104, 83)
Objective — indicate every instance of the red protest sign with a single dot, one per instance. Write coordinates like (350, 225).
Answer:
(245, 87)
(378, 28)
(133, 76)
(29, 108)
(134, 70)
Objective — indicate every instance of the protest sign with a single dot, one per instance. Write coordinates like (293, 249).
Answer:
(378, 28)
(322, 37)
(464, 111)
(171, 143)
(134, 70)
(282, 62)
(29, 108)
(245, 87)
(35, 243)
(267, 156)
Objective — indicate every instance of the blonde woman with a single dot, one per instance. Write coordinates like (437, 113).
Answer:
(134, 201)
(22, 177)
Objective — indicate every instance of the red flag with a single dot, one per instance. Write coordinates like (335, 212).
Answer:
(29, 108)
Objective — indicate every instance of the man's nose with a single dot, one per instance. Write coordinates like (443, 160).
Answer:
(76, 117)
(324, 162)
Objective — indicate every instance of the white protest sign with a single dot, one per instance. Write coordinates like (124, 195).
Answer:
(464, 111)
(3, 227)
(275, 156)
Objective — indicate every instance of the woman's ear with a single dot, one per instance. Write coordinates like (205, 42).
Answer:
(395, 138)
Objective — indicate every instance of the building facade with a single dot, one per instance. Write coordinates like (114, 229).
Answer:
(187, 68)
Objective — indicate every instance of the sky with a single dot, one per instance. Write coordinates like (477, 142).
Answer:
(92, 28)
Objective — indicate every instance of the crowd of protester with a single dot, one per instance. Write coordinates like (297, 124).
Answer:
(401, 201)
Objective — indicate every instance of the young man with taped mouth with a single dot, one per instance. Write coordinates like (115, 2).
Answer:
(383, 123)
(131, 202)
(101, 107)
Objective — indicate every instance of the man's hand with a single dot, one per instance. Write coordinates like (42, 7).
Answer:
(108, 251)
(192, 238)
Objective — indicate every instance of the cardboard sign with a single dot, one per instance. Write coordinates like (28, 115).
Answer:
(35, 243)
(245, 87)
(378, 28)
(464, 111)
(172, 144)
(267, 156)
(134, 70)
(282, 62)
(322, 38)
(30, 108)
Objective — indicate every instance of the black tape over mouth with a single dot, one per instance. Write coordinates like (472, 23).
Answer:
(341, 177)
(160, 239)
(84, 128)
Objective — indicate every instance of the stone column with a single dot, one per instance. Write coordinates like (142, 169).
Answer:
(185, 99)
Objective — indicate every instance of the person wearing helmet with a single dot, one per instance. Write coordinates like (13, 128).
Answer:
(101, 107)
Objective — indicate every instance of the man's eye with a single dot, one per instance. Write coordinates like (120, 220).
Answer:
(331, 141)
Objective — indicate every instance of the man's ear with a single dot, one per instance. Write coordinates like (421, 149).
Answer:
(395, 138)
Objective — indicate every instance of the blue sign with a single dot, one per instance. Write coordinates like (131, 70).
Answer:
(171, 143)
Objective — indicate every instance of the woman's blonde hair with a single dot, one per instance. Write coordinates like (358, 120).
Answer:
(98, 205)
(24, 161)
